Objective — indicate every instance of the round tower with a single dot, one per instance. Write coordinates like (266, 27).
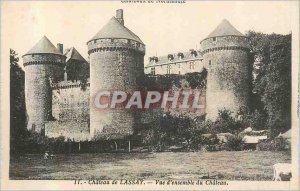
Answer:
(116, 61)
(226, 56)
(44, 65)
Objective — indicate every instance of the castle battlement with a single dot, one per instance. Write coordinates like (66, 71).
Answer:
(37, 59)
(229, 42)
(225, 48)
(69, 84)
(44, 52)
(115, 36)
(114, 45)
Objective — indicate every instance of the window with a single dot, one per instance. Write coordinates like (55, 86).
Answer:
(209, 62)
(192, 65)
(214, 38)
(169, 69)
(153, 71)
(33, 127)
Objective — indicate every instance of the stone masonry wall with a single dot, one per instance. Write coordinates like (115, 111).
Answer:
(229, 74)
(40, 72)
(70, 109)
(114, 65)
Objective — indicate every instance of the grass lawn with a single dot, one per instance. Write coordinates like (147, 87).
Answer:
(166, 165)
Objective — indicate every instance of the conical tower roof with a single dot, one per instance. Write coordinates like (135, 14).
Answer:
(114, 29)
(73, 54)
(225, 28)
(44, 46)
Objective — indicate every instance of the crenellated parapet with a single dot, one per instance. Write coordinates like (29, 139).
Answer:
(37, 59)
(224, 43)
(226, 48)
(69, 84)
(99, 45)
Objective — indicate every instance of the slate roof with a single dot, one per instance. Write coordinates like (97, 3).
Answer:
(165, 59)
(73, 54)
(114, 29)
(43, 46)
(225, 28)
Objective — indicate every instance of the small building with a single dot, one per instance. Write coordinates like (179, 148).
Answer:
(251, 142)
(250, 132)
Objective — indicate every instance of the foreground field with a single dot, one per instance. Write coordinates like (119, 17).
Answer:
(166, 165)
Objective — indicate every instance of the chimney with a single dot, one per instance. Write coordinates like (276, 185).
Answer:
(119, 16)
(60, 47)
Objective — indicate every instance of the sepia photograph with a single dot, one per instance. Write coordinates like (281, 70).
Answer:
(150, 93)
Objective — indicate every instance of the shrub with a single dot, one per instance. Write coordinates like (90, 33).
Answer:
(234, 143)
(266, 146)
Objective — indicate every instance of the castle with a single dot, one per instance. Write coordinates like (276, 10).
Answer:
(60, 85)
(225, 53)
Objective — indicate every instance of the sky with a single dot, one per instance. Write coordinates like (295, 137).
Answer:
(164, 28)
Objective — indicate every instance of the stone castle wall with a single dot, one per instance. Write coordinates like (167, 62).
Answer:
(41, 70)
(71, 112)
(70, 102)
(115, 64)
(229, 74)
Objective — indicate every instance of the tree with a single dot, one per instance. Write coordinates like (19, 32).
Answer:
(225, 122)
(168, 130)
(256, 119)
(272, 83)
(17, 103)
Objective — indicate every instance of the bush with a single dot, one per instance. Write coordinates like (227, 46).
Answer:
(274, 145)
(234, 143)
(227, 123)
(266, 146)
(169, 130)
